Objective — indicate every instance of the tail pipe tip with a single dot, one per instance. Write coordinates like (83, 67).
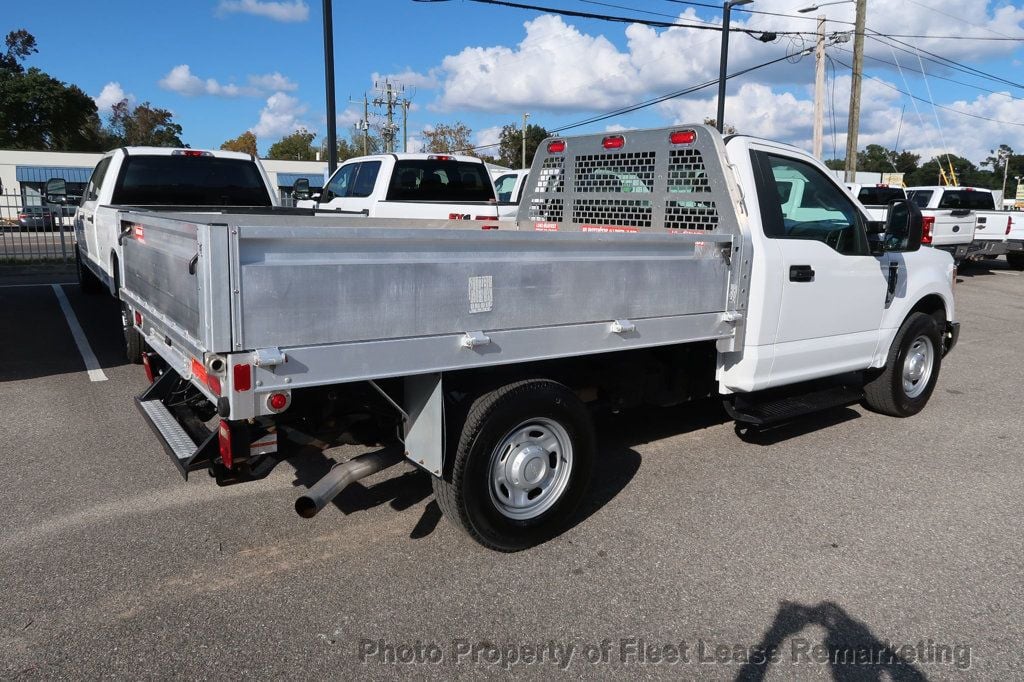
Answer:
(341, 476)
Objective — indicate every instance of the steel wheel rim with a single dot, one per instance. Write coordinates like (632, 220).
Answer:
(917, 366)
(530, 469)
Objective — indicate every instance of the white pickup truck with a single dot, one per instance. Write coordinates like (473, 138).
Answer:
(155, 178)
(648, 267)
(963, 221)
(876, 198)
(431, 186)
(509, 188)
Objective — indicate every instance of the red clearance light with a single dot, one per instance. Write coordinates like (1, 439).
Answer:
(224, 444)
(191, 153)
(613, 142)
(927, 223)
(881, 185)
(242, 375)
(440, 157)
(556, 146)
(683, 137)
(198, 371)
(277, 401)
(138, 319)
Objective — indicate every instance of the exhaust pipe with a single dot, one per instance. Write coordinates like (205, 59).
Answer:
(343, 475)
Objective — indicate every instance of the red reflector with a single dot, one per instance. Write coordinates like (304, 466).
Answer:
(138, 319)
(485, 217)
(277, 401)
(682, 137)
(927, 223)
(214, 384)
(146, 365)
(488, 227)
(198, 371)
(243, 377)
(556, 146)
(613, 142)
(139, 232)
(224, 441)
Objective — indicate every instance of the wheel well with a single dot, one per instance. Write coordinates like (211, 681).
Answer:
(933, 305)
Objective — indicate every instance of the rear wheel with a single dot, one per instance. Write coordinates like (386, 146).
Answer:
(905, 384)
(1016, 260)
(523, 463)
(87, 281)
(134, 344)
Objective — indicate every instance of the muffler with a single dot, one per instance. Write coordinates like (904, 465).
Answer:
(341, 476)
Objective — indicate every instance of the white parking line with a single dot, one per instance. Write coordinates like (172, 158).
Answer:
(41, 284)
(92, 366)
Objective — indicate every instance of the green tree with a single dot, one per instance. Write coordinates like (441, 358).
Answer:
(297, 146)
(876, 159)
(835, 164)
(729, 129)
(38, 111)
(928, 174)
(448, 138)
(510, 144)
(144, 125)
(245, 143)
(353, 146)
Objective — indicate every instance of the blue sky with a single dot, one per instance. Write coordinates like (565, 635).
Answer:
(226, 66)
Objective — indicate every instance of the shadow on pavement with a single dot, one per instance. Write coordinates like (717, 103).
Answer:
(850, 650)
(37, 341)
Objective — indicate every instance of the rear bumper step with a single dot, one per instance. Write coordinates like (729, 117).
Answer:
(184, 451)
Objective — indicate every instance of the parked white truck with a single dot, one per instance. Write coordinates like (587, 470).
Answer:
(963, 221)
(648, 267)
(430, 186)
(155, 178)
(876, 198)
(509, 188)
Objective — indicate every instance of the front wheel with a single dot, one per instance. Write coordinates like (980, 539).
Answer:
(902, 388)
(523, 463)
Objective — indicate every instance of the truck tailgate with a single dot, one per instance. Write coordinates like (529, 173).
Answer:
(991, 225)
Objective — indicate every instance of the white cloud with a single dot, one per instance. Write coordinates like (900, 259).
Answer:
(181, 80)
(297, 10)
(111, 94)
(487, 137)
(409, 78)
(282, 115)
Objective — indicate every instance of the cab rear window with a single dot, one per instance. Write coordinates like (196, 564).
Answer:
(190, 181)
(440, 180)
(879, 196)
(962, 198)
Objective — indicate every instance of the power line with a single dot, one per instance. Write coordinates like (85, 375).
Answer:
(940, 60)
(940, 106)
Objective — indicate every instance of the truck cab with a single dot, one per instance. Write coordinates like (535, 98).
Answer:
(876, 198)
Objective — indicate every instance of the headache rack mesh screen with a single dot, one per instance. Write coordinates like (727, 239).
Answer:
(622, 212)
(686, 172)
(622, 172)
(691, 215)
(552, 175)
(547, 210)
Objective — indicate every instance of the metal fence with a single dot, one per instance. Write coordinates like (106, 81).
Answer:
(32, 233)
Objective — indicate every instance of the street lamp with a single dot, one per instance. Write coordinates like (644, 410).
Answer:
(726, 11)
(805, 10)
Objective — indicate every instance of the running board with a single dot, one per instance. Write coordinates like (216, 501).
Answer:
(186, 454)
(760, 412)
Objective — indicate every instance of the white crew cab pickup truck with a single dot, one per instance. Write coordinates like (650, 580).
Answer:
(876, 198)
(647, 267)
(432, 186)
(509, 187)
(963, 221)
(153, 178)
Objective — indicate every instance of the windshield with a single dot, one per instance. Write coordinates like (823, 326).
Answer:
(190, 181)
(879, 196)
(921, 197)
(445, 180)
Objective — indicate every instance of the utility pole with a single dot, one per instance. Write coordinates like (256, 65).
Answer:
(332, 117)
(405, 123)
(858, 71)
(1006, 167)
(388, 98)
(819, 89)
(525, 116)
(364, 124)
(726, 12)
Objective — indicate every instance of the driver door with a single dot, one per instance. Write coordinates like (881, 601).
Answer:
(833, 289)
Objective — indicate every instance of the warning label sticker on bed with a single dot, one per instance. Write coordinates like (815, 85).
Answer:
(545, 227)
(481, 294)
(608, 228)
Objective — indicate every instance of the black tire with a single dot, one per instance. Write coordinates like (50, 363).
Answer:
(887, 392)
(134, 344)
(87, 281)
(1016, 260)
(466, 496)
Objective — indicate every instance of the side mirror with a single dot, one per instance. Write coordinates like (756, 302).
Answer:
(903, 227)
(56, 191)
(300, 190)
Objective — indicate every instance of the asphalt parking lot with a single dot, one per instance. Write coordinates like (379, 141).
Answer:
(697, 555)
